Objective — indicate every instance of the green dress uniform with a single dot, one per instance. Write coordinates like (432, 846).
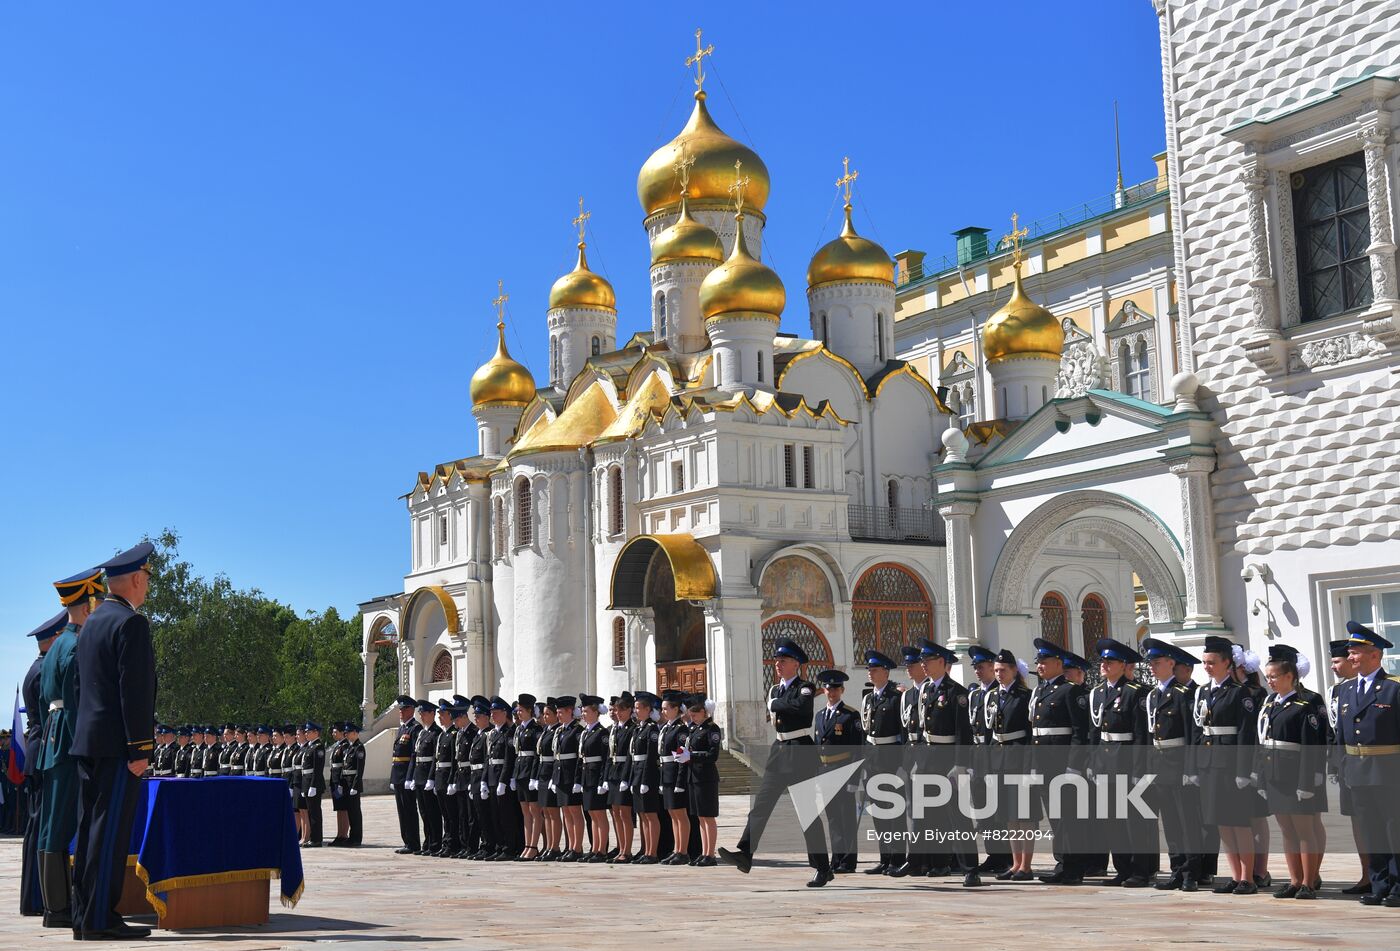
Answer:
(58, 817)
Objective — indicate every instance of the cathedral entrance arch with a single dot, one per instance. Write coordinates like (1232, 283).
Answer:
(890, 607)
(672, 575)
(808, 637)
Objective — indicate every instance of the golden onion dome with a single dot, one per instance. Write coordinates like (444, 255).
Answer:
(742, 285)
(582, 288)
(1021, 327)
(850, 258)
(500, 380)
(713, 172)
(686, 240)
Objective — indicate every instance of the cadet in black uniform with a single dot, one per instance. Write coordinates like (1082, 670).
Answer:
(424, 754)
(983, 661)
(1118, 714)
(262, 751)
(500, 776)
(1226, 718)
(112, 742)
(884, 732)
(1344, 669)
(790, 704)
(401, 776)
(593, 754)
(444, 779)
(1292, 767)
(476, 784)
(334, 762)
(1006, 714)
(837, 731)
(669, 741)
(567, 780)
(616, 778)
(352, 784)
(459, 791)
(948, 736)
(545, 798)
(313, 779)
(910, 711)
(1175, 794)
(645, 775)
(1368, 735)
(525, 747)
(699, 759)
(184, 751)
(1060, 718)
(31, 900)
(163, 765)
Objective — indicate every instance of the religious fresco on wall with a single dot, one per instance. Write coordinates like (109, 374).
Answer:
(793, 583)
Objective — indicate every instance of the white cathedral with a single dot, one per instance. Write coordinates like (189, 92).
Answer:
(663, 507)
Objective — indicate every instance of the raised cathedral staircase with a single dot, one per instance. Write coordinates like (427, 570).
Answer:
(735, 779)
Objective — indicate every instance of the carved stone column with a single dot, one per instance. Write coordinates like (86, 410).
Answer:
(1201, 555)
(1374, 139)
(962, 616)
(1265, 343)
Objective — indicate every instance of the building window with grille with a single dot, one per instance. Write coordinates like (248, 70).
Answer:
(442, 529)
(1137, 371)
(441, 671)
(678, 476)
(1332, 224)
(619, 641)
(760, 366)
(880, 337)
(809, 475)
(1094, 622)
(524, 523)
(660, 314)
(1380, 611)
(790, 466)
(615, 500)
(596, 346)
(889, 608)
(1054, 619)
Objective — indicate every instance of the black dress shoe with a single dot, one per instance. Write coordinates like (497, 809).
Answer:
(1246, 888)
(1116, 881)
(878, 869)
(1188, 884)
(1005, 876)
(613, 853)
(706, 861)
(403, 851)
(907, 869)
(1096, 872)
(822, 876)
(1226, 887)
(1392, 900)
(58, 919)
(1135, 881)
(743, 861)
(939, 871)
(1021, 877)
(1371, 899)
(1306, 892)
(567, 856)
(1360, 888)
(1170, 884)
(1263, 881)
(1054, 878)
(644, 860)
(972, 880)
(1287, 891)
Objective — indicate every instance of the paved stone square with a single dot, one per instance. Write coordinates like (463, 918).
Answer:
(370, 898)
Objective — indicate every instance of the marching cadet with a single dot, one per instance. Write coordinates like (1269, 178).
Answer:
(184, 751)
(163, 762)
(444, 779)
(910, 711)
(983, 662)
(670, 739)
(645, 775)
(262, 752)
(616, 783)
(1118, 715)
(352, 780)
(699, 759)
(112, 742)
(468, 838)
(1175, 793)
(500, 773)
(838, 734)
(1226, 715)
(476, 786)
(1006, 712)
(58, 706)
(313, 782)
(884, 730)
(1292, 767)
(525, 746)
(567, 782)
(1368, 733)
(790, 704)
(401, 776)
(948, 736)
(1059, 718)
(31, 900)
(593, 754)
(424, 753)
(1343, 669)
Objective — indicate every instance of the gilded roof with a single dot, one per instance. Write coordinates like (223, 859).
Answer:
(471, 469)
(581, 422)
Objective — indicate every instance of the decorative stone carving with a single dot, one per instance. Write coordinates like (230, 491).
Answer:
(1288, 247)
(1382, 248)
(1082, 366)
(1333, 350)
(1261, 285)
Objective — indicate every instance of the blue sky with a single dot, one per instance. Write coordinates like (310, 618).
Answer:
(247, 251)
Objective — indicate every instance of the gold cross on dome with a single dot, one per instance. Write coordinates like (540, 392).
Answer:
(847, 179)
(1015, 239)
(700, 54)
(581, 222)
(741, 182)
(500, 303)
(683, 163)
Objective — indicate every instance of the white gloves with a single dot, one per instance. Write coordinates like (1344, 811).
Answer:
(1304, 795)
(957, 771)
(603, 788)
(500, 789)
(624, 786)
(311, 792)
(645, 789)
(1190, 780)
(354, 792)
(409, 785)
(452, 789)
(553, 788)
(578, 788)
(430, 787)
(683, 756)
(1241, 782)
(512, 784)
(484, 793)
(678, 789)
(391, 787)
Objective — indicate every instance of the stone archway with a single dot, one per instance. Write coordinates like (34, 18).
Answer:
(1135, 532)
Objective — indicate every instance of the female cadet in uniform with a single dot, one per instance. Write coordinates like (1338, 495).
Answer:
(1006, 714)
(617, 781)
(1225, 711)
(645, 775)
(546, 799)
(527, 747)
(1292, 765)
(294, 765)
(593, 754)
(671, 739)
(700, 757)
(567, 781)
(1247, 672)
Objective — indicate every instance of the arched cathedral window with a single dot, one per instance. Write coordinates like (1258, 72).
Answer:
(615, 500)
(524, 522)
(554, 359)
(597, 346)
(660, 314)
(880, 337)
(1137, 373)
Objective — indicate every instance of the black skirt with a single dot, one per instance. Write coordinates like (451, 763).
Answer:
(649, 801)
(1223, 803)
(618, 797)
(593, 799)
(673, 798)
(704, 800)
(565, 796)
(1283, 801)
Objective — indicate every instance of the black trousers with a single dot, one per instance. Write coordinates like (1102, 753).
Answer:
(510, 828)
(469, 836)
(355, 816)
(887, 758)
(841, 824)
(432, 819)
(788, 763)
(447, 808)
(406, 803)
(485, 822)
(1178, 807)
(106, 806)
(1375, 807)
(31, 899)
(313, 817)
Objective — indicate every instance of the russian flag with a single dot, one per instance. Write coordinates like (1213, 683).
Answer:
(14, 767)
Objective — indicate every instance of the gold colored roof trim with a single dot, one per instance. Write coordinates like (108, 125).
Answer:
(577, 426)
(691, 566)
(449, 607)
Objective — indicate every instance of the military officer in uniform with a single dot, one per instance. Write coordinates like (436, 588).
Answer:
(112, 742)
(948, 738)
(1118, 714)
(352, 784)
(884, 732)
(401, 776)
(1059, 714)
(1344, 669)
(1368, 734)
(262, 751)
(500, 772)
(444, 779)
(837, 732)
(525, 746)
(163, 765)
(983, 663)
(468, 836)
(790, 704)
(313, 782)
(334, 761)
(488, 844)
(911, 713)
(31, 899)
(424, 753)
(1226, 716)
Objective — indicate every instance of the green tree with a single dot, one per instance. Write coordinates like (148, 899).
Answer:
(323, 675)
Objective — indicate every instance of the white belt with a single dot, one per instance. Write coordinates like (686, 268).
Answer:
(941, 738)
(546, 759)
(1008, 737)
(592, 759)
(1281, 744)
(881, 740)
(914, 734)
(1220, 730)
(566, 756)
(1170, 744)
(478, 765)
(309, 769)
(619, 759)
(639, 757)
(55, 705)
(667, 759)
(497, 762)
(793, 734)
(1052, 731)
(524, 754)
(1118, 737)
